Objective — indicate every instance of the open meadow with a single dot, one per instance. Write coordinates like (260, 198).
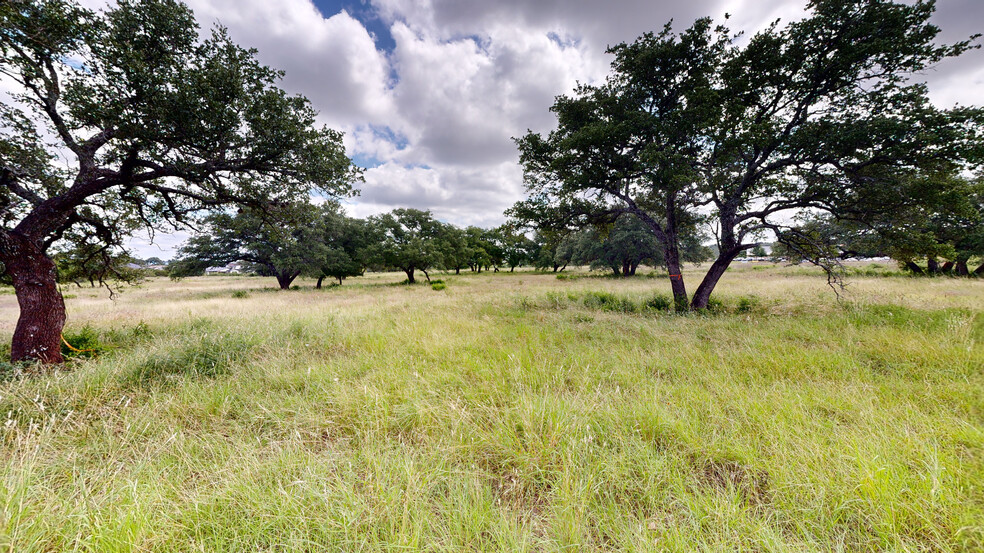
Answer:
(506, 412)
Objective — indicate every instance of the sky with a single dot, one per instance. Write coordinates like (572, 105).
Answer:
(429, 93)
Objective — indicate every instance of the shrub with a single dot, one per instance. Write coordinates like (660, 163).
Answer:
(240, 294)
(438, 285)
(606, 301)
(659, 302)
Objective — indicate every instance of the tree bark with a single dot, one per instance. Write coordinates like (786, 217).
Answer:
(339, 281)
(37, 336)
(962, 269)
(947, 267)
(320, 280)
(932, 266)
(427, 276)
(980, 270)
(916, 269)
(409, 272)
(457, 270)
(680, 300)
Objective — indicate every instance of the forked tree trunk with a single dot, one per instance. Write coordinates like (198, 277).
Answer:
(284, 279)
(37, 336)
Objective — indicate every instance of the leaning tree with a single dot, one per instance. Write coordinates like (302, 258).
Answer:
(128, 118)
(704, 127)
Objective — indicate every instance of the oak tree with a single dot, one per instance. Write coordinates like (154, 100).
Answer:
(157, 124)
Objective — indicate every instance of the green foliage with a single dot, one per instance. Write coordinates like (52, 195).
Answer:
(437, 285)
(659, 302)
(409, 239)
(812, 115)
(747, 304)
(85, 341)
(208, 355)
(240, 294)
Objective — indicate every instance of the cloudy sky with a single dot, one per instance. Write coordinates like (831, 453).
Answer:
(430, 92)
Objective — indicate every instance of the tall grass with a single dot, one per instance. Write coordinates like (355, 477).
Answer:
(506, 414)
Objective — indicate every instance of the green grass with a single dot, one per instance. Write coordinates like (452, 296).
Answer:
(506, 414)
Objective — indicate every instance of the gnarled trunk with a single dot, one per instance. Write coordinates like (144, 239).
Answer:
(409, 272)
(37, 336)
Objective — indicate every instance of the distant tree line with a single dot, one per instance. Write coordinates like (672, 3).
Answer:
(321, 242)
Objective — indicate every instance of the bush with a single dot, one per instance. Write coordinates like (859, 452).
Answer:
(438, 285)
(659, 302)
(84, 343)
(606, 301)
(747, 304)
(240, 294)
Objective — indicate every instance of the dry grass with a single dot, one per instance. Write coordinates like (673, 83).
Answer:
(508, 412)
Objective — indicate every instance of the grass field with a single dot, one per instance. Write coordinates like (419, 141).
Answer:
(507, 412)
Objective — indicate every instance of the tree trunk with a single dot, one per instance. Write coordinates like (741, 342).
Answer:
(37, 336)
(916, 269)
(512, 268)
(703, 294)
(409, 272)
(339, 281)
(632, 269)
(962, 269)
(457, 270)
(626, 268)
(947, 267)
(320, 280)
(932, 265)
(284, 279)
(680, 300)
(980, 270)
(426, 275)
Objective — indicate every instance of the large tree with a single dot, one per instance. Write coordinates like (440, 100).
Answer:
(282, 241)
(410, 240)
(346, 242)
(703, 128)
(156, 123)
